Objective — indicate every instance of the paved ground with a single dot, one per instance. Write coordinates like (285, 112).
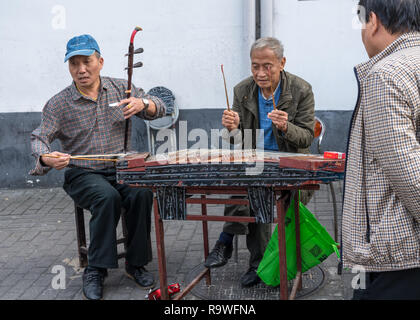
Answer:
(38, 243)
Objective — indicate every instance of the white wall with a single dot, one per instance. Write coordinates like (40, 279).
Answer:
(185, 43)
(322, 45)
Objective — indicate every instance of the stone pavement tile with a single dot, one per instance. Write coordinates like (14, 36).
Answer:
(47, 294)
(56, 235)
(5, 273)
(4, 234)
(29, 235)
(44, 280)
(31, 293)
(10, 296)
(13, 237)
(21, 286)
(11, 280)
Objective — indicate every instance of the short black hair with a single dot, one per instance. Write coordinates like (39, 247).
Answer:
(397, 16)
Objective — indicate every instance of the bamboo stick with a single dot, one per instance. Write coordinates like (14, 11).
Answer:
(79, 158)
(224, 80)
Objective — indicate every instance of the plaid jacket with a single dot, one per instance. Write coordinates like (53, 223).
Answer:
(381, 205)
(85, 126)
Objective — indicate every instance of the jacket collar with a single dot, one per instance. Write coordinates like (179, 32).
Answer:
(286, 94)
(407, 40)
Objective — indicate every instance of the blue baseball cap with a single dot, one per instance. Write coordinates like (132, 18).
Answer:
(83, 45)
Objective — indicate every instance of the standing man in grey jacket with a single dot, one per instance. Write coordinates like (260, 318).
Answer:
(289, 128)
(381, 207)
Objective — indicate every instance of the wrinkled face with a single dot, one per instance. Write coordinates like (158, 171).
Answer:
(85, 70)
(263, 63)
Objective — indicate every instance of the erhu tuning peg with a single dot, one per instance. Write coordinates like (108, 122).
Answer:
(136, 65)
(139, 50)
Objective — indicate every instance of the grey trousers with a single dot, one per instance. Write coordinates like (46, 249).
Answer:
(257, 234)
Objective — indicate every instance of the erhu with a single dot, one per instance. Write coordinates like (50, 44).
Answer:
(130, 67)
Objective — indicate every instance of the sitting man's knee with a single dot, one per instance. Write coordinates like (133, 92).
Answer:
(145, 195)
(110, 196)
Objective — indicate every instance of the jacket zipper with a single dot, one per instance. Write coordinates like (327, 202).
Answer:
(340, 265)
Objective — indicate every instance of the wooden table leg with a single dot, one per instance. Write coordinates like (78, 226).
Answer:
(297, 284)
(282, 248)
(298, 245)
(160, 243)
(205, 238)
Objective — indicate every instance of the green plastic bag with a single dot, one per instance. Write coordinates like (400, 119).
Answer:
(316, 246)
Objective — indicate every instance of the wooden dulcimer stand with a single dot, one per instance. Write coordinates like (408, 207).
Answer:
(189, 176)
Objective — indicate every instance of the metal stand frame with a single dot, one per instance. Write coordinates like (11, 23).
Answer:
(204, 217)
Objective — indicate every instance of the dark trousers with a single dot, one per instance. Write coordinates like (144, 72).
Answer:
(391, 285)
(257, 234)
(98, 192)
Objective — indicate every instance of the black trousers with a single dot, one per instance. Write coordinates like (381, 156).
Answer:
(98, 192)
(391, 285)
(257, 234)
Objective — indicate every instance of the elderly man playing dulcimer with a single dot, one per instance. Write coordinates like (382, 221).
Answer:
(287, 124)
(90, 117)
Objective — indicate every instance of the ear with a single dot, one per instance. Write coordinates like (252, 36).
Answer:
(101, 62)
(282, 63)
(374, 23)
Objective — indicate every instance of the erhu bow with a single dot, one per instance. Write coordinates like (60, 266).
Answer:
(130, 67)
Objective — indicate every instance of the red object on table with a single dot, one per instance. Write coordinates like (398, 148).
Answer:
(334, 155)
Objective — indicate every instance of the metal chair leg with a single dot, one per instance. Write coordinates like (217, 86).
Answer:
(235, 245)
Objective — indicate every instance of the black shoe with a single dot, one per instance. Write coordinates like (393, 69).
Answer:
(93, 283)
(219, 256)
(140, 275)
(250, 278)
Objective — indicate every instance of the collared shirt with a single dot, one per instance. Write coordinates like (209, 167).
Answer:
(85, 126)
(265, 106)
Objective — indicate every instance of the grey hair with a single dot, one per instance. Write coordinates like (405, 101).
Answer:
(271, 43)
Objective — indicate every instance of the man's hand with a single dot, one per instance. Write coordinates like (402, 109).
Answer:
(230, 120)
(135, 105)
(279, 119)
(56, 160)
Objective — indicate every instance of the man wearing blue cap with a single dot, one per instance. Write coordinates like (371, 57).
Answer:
(89, 117)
